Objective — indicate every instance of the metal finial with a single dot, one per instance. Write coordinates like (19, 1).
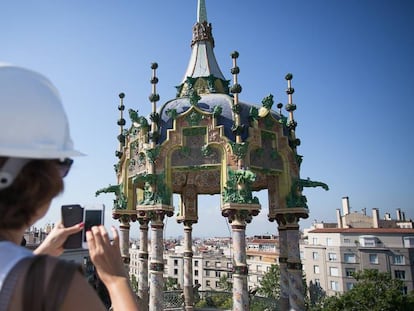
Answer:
(201, 11)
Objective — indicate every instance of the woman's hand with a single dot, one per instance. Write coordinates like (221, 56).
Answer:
(105, 254)
(106, 257)
(53, 244)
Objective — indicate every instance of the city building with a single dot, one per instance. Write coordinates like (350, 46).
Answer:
(262, 252)
(332, 252)
(212, 260)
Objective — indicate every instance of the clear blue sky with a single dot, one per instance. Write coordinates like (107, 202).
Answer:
(352, 63)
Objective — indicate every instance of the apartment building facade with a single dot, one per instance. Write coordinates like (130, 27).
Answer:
(212, 261)
(331, 253)
(261, 252)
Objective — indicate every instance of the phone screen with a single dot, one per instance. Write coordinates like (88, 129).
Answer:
(92, 218)
(72, 215)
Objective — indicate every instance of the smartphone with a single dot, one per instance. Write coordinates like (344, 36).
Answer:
(93, 216)
(72, 215)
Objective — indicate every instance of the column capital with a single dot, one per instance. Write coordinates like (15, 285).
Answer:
(240, 213)
(241, 269)
(289, 219)
(143, 223)
(188, 224)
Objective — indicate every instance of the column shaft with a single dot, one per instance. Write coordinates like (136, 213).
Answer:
(240, 291)
(156, 299)
(188, 267)
(296, 290)
(124, 241)
(284, 275)
(143, 264)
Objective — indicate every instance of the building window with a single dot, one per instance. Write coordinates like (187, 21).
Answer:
(316, 269)
(196, 272)
(175, 271)
(349, 272)
(347, 241)
(368, 241)
(399, 274)
(258, 268)
(317, 282)
(349, 258)
(207, 263)
(349, 285)
(373, 259)
(195, 281)
(408, 241)
(332, 256)
(399, 260)
(329, 241)
(218, 264)
(315, 255)
(175, 262)
(229, 265)
(315, 241)
(218, 274)
(207, 272)
(333, 271)
(195, 263)
(208, 283)
(334, 285)
(217, 284)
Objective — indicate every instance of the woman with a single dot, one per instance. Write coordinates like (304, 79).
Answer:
(35, 152)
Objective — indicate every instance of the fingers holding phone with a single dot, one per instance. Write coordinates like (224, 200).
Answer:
(92, 217)
(75, 214)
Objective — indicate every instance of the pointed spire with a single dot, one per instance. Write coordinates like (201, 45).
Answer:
(203, 73)
(201, 11)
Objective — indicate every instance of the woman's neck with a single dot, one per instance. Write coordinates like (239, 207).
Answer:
(12, 235)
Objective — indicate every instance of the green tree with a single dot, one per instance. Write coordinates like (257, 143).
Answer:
(134, 283)
(170, 284)
(225, 284)
(373, 291)
(316, 294)
(269, 286)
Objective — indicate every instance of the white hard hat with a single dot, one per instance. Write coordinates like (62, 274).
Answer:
(33, 123)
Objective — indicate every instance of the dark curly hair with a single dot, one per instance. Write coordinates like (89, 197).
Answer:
(37, 184)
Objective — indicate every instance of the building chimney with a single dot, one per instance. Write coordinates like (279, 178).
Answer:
(345, 205)
(387, 216)
(338, 218)
(375, 218)
(399, 216)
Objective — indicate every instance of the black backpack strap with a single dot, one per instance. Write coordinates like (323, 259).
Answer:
(59, 284)
(33, 287)
(39, 296)
(11, 281)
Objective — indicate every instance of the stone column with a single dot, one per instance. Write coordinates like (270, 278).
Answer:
(143, 263)
(240, 269)
(294, 265)
(188, 266)
(156, 295)
(284, 275)
(124, 238)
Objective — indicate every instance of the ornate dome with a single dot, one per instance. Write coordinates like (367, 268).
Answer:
(209, 103)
